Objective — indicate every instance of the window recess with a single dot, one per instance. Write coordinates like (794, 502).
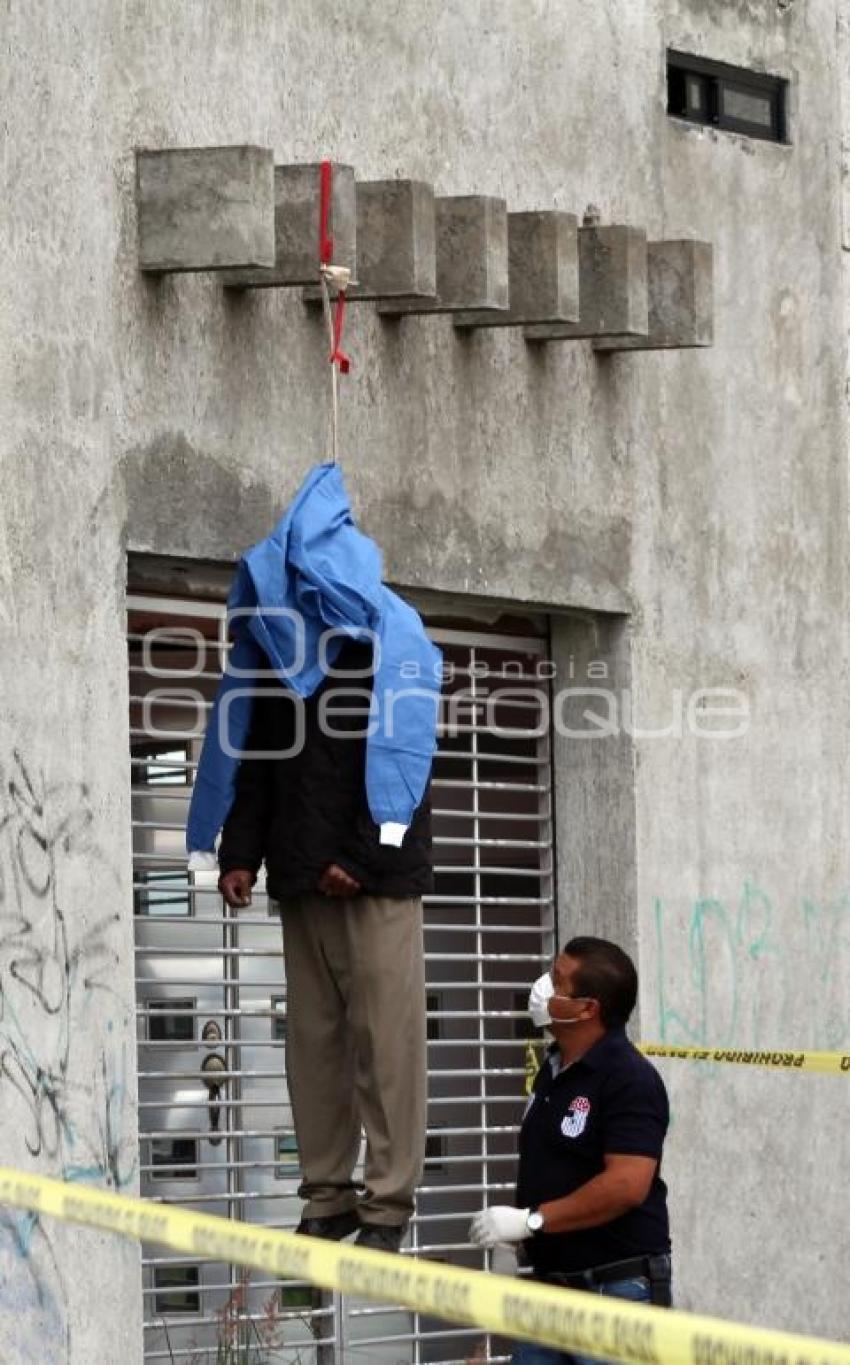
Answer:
(177, 1289)
(731, 98)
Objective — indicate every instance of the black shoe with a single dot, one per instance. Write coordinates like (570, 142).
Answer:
(331, 1229)
(380, 1236)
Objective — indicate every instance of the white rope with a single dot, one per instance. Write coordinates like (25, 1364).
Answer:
(339, 276)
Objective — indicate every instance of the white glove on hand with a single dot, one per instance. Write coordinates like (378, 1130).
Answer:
(499, 1224)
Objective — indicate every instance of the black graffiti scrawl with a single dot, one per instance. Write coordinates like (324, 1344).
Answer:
(69, 1113)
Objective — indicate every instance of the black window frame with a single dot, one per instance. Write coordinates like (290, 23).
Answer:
(177, 1290)
(165, 1014)
(714, 78)
(162, 891)
(167, 1164)
(159, 752)
(286, 1170)
(277, 1007)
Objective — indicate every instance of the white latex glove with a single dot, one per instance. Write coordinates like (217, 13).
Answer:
(499, 1224)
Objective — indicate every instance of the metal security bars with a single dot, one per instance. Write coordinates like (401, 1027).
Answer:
(216, 1130)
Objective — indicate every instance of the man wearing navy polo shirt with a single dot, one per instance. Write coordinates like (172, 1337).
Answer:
(592, 1207)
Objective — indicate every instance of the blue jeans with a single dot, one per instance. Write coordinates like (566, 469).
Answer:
(636, 1289)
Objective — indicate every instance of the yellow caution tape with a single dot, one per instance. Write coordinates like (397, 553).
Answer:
(832, 1063)
(596, 1325)
(533, 1059)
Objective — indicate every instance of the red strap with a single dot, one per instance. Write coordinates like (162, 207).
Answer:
(338, 356)
(326, 255)
(326, 241)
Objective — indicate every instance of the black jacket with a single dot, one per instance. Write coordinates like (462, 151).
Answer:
(302, 812)
(610, 1101)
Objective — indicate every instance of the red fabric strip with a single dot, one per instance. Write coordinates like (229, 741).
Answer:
(326, 241)
(338, 356)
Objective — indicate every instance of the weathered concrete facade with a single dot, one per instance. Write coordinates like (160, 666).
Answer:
(701, 494)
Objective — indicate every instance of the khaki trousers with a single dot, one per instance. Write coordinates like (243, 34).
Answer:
(356, 1050)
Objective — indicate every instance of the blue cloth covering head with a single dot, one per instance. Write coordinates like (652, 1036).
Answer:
(297, 595)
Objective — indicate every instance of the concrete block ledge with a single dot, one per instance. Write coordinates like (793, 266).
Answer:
(472, 257)
(396, 243)
(297, 216)
(613, 288)
(543, 280)
(681, 305)
(205, 208)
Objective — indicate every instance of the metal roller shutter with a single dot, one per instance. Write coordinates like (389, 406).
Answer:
(215, 1127)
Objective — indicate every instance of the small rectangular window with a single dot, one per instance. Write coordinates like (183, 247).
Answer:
(746, 106)
(164, 1026)
(278, 1004)
(696, 93)
(285, 1145)
(728, 97)
(304, 1297)
(168, 768)
(174, 1158)
(177, 1287)
(161, 893)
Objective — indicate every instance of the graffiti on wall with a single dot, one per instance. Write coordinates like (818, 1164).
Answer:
(68, 1104)
(735, 972)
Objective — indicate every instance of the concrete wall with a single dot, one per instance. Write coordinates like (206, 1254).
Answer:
(702, 492)
(740, 580)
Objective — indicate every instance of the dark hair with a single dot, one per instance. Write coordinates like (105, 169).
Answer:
(607, 974)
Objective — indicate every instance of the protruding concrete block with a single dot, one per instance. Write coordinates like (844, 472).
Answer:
(472, 257)
(205, 208)
(396, 246)
(396, 250)
(542, 272)
(681, 303)
(297, 214)
(612, 287)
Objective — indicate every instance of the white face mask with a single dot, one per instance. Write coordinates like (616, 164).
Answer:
(538, 1001)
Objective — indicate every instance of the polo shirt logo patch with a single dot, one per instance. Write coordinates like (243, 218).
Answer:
(575, 1119)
